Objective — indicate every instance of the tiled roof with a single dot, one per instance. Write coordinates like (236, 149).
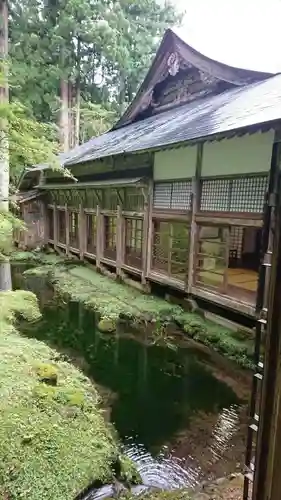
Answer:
(238, 108)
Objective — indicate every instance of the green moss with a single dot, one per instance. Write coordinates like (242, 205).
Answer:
(54, 441)
(18, 303)
(47, 373)
(35, 257)
(106, 325)
(128, 472)
(24, 256)
(219, 338)
(114, 301)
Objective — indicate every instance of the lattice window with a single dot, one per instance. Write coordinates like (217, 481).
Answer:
(215, 195)
(172, 195)
(244, 194)
(133, 242)
(235, 244)
(110, 237)
(50, 216)
(61, 226)
(170, 248)
(133, 199)
(247, 194)
(91, 225)
(73, 229)
(211, 258)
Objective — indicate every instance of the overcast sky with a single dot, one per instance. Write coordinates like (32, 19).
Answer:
(242, 33)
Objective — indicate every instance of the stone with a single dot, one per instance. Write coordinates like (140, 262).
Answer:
(106, 325)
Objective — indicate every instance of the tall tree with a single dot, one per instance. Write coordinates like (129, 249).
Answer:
(100, 49)
(5, 271)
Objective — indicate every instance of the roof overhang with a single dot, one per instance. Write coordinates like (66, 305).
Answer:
(137, 181)
(173, 44)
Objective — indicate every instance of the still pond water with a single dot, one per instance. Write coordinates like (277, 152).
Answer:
(180, 412)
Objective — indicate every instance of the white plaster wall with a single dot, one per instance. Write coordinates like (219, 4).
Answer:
(240, 155)
(175, 163)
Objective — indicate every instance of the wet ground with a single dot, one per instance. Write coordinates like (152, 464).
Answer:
(179, 409)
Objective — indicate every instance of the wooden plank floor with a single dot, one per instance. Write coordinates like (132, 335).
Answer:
(241, 283)
(243, 278)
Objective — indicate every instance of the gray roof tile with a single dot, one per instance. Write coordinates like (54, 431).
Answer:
(258, 103)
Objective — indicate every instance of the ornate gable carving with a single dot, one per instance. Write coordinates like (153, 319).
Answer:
(182, 84)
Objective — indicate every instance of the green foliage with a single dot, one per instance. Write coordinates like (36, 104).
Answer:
(95, 120)
(54, 441)
(30, 141)
(8, 223)
(102, 47)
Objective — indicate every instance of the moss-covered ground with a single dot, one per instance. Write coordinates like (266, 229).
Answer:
(54, 440)
(114, 301)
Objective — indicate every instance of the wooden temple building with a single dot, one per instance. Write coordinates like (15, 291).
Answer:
(174, 193)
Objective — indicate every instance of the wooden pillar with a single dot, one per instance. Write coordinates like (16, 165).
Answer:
(226, 254)
(45, 222)
(25, 218)
(82, 231)
(119, 241)
(99, 236)
(55, 216)
(267, 477)
(66, 230)
(195, 207)
(149, 244)
(146, 243)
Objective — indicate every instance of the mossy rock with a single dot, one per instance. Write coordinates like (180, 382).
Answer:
(106, 325)
(126, 471)
(47, 373)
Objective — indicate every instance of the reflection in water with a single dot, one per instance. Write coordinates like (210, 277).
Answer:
(162, 471)
(226, 426)
(157, 395)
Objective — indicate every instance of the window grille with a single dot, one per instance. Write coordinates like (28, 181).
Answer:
(170, 248)
(235, 242)
(91, 225)
(215, 195)
(134, 240)
(247, 194)
(173, 195)
(244, 194)
(110, 237)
